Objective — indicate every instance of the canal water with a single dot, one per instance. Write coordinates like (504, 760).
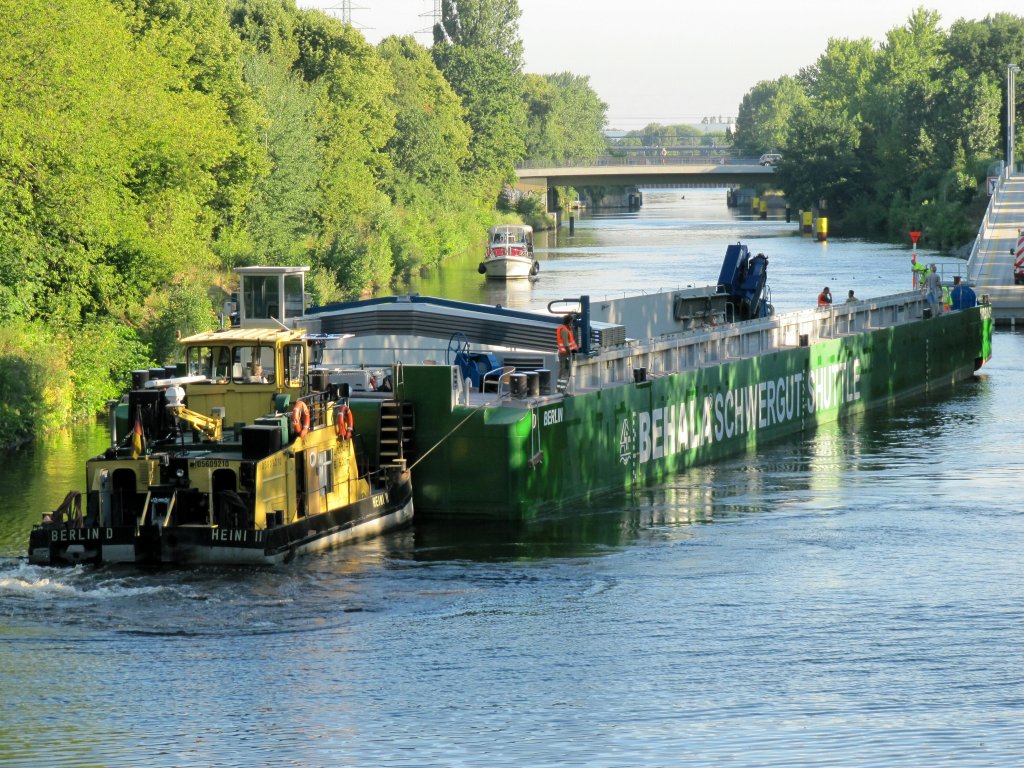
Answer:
(852, 597)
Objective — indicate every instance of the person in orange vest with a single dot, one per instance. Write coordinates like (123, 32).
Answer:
(567, 347)
(825, 297)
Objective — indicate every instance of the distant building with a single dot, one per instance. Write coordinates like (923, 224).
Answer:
(713, 124)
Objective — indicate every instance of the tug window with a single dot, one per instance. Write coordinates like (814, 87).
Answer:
(325, 471)
(294, 362)
(212, 362)
(252, 365)
(262, 297)
(293, 298)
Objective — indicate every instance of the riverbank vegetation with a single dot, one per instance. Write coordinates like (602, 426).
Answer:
(147, 147)
(897, 136)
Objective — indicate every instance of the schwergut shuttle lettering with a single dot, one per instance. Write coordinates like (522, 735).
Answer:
(701, 421)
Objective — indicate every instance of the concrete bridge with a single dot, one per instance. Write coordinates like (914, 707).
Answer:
(639, 173)
(728, 173)
(990, 267)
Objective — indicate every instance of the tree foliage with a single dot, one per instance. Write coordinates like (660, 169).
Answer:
(490, 87)
(565, 118)
(482, 24)
(893, 136)
(764, 115)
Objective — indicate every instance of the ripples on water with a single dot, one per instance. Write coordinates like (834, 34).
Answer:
(852, 598)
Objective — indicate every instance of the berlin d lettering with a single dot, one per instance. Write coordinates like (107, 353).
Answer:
(701, 421)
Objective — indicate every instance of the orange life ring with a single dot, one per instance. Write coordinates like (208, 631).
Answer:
(300, 418)
(566, 341)
(343, 422)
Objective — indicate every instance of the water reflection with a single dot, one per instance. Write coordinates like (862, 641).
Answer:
(508, 293)
(36, 478)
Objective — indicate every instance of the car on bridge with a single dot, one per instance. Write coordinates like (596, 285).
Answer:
(770, 158)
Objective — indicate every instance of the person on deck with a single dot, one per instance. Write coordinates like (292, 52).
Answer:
(825, 297)
(920, 270)
(567, 349)
(850, 298)
(934, 292)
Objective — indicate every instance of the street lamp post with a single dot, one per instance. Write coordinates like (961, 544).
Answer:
(1011, 72)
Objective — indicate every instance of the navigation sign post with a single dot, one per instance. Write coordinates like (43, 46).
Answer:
(914, 237)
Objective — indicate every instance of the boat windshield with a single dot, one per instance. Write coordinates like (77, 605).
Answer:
(212, 362)
(242, 364)
(252, 365)
(509, 236)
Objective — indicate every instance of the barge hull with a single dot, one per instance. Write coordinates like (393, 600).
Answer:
(520, 459)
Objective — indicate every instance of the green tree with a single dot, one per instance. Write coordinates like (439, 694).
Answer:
(905, 86)
(354, 123)
(565, 118)
(431, 138)
(478, 50)
(490, 87)
(764, 115)
(986, 48)
(842, 74)
(484, 24)
(967, 117)
(435, 213)
(196, 39)
(821, 158)
(94, 224)
(280, 219)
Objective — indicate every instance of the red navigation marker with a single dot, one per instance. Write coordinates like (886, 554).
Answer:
(914, 236)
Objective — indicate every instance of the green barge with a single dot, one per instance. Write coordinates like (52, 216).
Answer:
(497, 423)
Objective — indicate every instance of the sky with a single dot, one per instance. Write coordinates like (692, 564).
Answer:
(673, 61)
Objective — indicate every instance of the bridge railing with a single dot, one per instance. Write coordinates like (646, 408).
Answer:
(972, 260)
(720, 158)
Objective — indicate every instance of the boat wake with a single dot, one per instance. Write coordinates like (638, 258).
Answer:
(20, 580)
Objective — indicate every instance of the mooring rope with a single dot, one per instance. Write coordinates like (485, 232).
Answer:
(470, 415)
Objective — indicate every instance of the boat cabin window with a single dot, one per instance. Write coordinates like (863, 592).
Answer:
(325, 470)
(262, 294)
(294, 364)
(252, 365)
(293, 296)
(212, 362)
(510, 236)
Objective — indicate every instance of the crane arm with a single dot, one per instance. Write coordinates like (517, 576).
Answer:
(211, 426)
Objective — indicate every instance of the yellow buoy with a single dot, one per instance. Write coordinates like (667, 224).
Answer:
(822, 228)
